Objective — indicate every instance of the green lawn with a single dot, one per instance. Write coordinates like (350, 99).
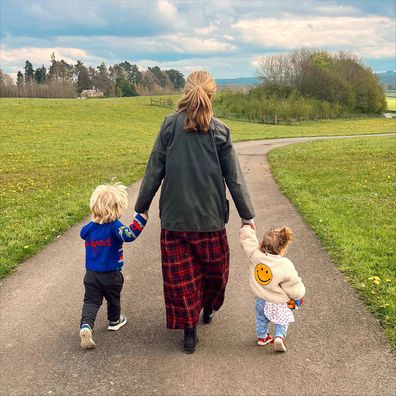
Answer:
(391, 101)
(54, 152)
(345, 191)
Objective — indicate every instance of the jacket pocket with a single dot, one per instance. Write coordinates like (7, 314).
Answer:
(227, 211)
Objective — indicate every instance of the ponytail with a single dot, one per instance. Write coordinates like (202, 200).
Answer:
(285, 236)
(276, 239)
(196, 102)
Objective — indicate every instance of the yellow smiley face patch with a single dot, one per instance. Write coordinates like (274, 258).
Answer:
(263, 274)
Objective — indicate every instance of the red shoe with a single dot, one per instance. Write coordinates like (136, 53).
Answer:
(279, 344)
(264, 341)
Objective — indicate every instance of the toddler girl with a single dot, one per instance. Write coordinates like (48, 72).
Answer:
(274, 280)
(104, 237)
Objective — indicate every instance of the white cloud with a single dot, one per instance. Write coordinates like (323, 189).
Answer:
(70, 12)
(201, 32)
(335, 9)
(166, 8)
(206, 30)
(13, 60)
(41, 55)
(217, 66)
(386, 50)
(169, 43)
(325, 32)
(197, 45)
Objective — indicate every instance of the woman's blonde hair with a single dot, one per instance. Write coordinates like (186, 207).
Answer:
(276, 239)
(196, 101)
(107, 203)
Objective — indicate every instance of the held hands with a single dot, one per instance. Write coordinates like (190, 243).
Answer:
(251, 225)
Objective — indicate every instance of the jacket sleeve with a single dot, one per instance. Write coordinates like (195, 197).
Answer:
(129, 234)
(248, 240)
(292, 284)
(155, 170)
(233, 176)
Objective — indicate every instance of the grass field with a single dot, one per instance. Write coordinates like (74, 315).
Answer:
(391, 101)
(345, 191)
(53, 153)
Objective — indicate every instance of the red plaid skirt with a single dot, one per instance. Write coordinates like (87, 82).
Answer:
(195, 269)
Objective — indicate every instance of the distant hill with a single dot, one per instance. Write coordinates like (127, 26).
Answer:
(238, 81)
(388, 79)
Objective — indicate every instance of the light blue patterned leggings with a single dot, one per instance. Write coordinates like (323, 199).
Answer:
(262, 322)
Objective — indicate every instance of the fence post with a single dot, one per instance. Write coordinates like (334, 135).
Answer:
(275, 119)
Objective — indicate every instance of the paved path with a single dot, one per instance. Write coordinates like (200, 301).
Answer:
(336, 347)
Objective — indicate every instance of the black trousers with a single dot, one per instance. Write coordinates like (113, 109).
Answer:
(99, 285)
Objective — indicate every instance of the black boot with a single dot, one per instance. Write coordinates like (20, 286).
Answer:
(208, 314)
(190, 339)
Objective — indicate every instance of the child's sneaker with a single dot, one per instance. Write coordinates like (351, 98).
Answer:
(264, 341)
(86, 337)
(279, 344)
(117, 325)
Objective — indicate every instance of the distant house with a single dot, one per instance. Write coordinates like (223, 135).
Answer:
(91, 93)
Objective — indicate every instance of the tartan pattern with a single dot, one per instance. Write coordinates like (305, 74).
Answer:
(195, 268)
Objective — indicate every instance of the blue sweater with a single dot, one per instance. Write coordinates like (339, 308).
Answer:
(103, 243)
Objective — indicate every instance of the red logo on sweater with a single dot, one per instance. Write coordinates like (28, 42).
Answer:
(99, 242)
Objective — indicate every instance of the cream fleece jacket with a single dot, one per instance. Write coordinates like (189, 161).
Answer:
(272, 278)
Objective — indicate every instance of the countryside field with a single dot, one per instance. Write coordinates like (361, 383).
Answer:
(390, 97)
(345, 190)
(54, 152)
(391, 103)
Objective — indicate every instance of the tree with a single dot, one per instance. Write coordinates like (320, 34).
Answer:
(102, 80)
(124, 87)
(62, 79)
(83, 79)
(338, 78)
(20, 80)
(151, 83)
(134, 76)
(176, 78)
(60, 70)
(40, 75)
(7, 85)
(161, 76)
(29, 71)
(369, 92)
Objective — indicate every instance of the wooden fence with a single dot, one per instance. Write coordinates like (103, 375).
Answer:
(162, 102)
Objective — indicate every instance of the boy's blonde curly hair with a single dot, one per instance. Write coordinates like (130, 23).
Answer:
(107, 203)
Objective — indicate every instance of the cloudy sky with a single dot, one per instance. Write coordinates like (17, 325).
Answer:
(225, 37)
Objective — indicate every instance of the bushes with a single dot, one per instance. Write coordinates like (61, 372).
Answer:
(306, 84)
(259, 107)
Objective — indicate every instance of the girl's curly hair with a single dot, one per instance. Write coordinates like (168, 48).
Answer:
(276, 239)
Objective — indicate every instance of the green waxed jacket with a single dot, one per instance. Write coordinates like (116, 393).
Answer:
(194, 168)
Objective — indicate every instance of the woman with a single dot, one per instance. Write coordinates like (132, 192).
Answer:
(194, 157)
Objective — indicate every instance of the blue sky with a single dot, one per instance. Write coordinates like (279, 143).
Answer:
(225, 37)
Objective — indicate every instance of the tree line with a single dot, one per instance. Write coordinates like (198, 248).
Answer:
(64, 80)
(308, 83)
